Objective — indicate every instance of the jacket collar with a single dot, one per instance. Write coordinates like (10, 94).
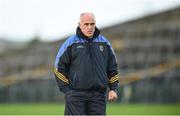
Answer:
(81, 35)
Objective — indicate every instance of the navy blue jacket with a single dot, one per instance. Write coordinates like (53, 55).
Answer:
(86, 64)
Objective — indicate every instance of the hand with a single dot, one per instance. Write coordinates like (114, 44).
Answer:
(112, 96)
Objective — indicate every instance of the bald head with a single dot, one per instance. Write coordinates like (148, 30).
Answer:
(85, 15)
(87, 24)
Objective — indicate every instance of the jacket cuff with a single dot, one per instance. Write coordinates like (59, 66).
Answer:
(112, 87)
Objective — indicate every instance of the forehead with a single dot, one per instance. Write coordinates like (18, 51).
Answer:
(87, 18)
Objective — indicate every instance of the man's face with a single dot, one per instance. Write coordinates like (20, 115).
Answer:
(87, 25)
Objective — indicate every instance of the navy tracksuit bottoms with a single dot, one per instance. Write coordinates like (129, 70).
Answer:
(85, 102)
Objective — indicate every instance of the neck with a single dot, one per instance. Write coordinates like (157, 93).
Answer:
(90, 37)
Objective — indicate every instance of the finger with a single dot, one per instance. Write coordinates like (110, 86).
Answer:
(110, 98)
(114, 98)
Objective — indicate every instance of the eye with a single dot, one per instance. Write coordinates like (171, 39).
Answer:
(86, 24)
(92, 24)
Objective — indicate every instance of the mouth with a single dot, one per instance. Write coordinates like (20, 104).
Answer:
(90, 31)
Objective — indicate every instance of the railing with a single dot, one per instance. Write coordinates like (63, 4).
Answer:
(41, 73)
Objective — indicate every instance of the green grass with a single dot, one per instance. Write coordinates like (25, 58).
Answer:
(113, 109)
(143, 109)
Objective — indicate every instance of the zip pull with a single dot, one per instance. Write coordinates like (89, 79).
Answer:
(89, 42)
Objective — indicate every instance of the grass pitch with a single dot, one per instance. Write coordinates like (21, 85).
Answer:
(112, 109)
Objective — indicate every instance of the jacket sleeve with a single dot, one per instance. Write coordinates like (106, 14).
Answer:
(112, 69)
(61, 68)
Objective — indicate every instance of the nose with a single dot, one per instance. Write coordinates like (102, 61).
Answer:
(90, 26)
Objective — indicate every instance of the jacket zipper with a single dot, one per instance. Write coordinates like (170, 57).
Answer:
(92, 63)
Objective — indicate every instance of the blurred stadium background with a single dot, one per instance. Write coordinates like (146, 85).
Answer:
(148, 54)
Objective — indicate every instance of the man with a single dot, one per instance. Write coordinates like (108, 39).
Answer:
(85, 66)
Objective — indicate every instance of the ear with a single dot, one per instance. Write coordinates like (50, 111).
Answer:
(79, 24)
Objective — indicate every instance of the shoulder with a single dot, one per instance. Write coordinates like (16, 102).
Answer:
(69, 41)
(101, 38)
